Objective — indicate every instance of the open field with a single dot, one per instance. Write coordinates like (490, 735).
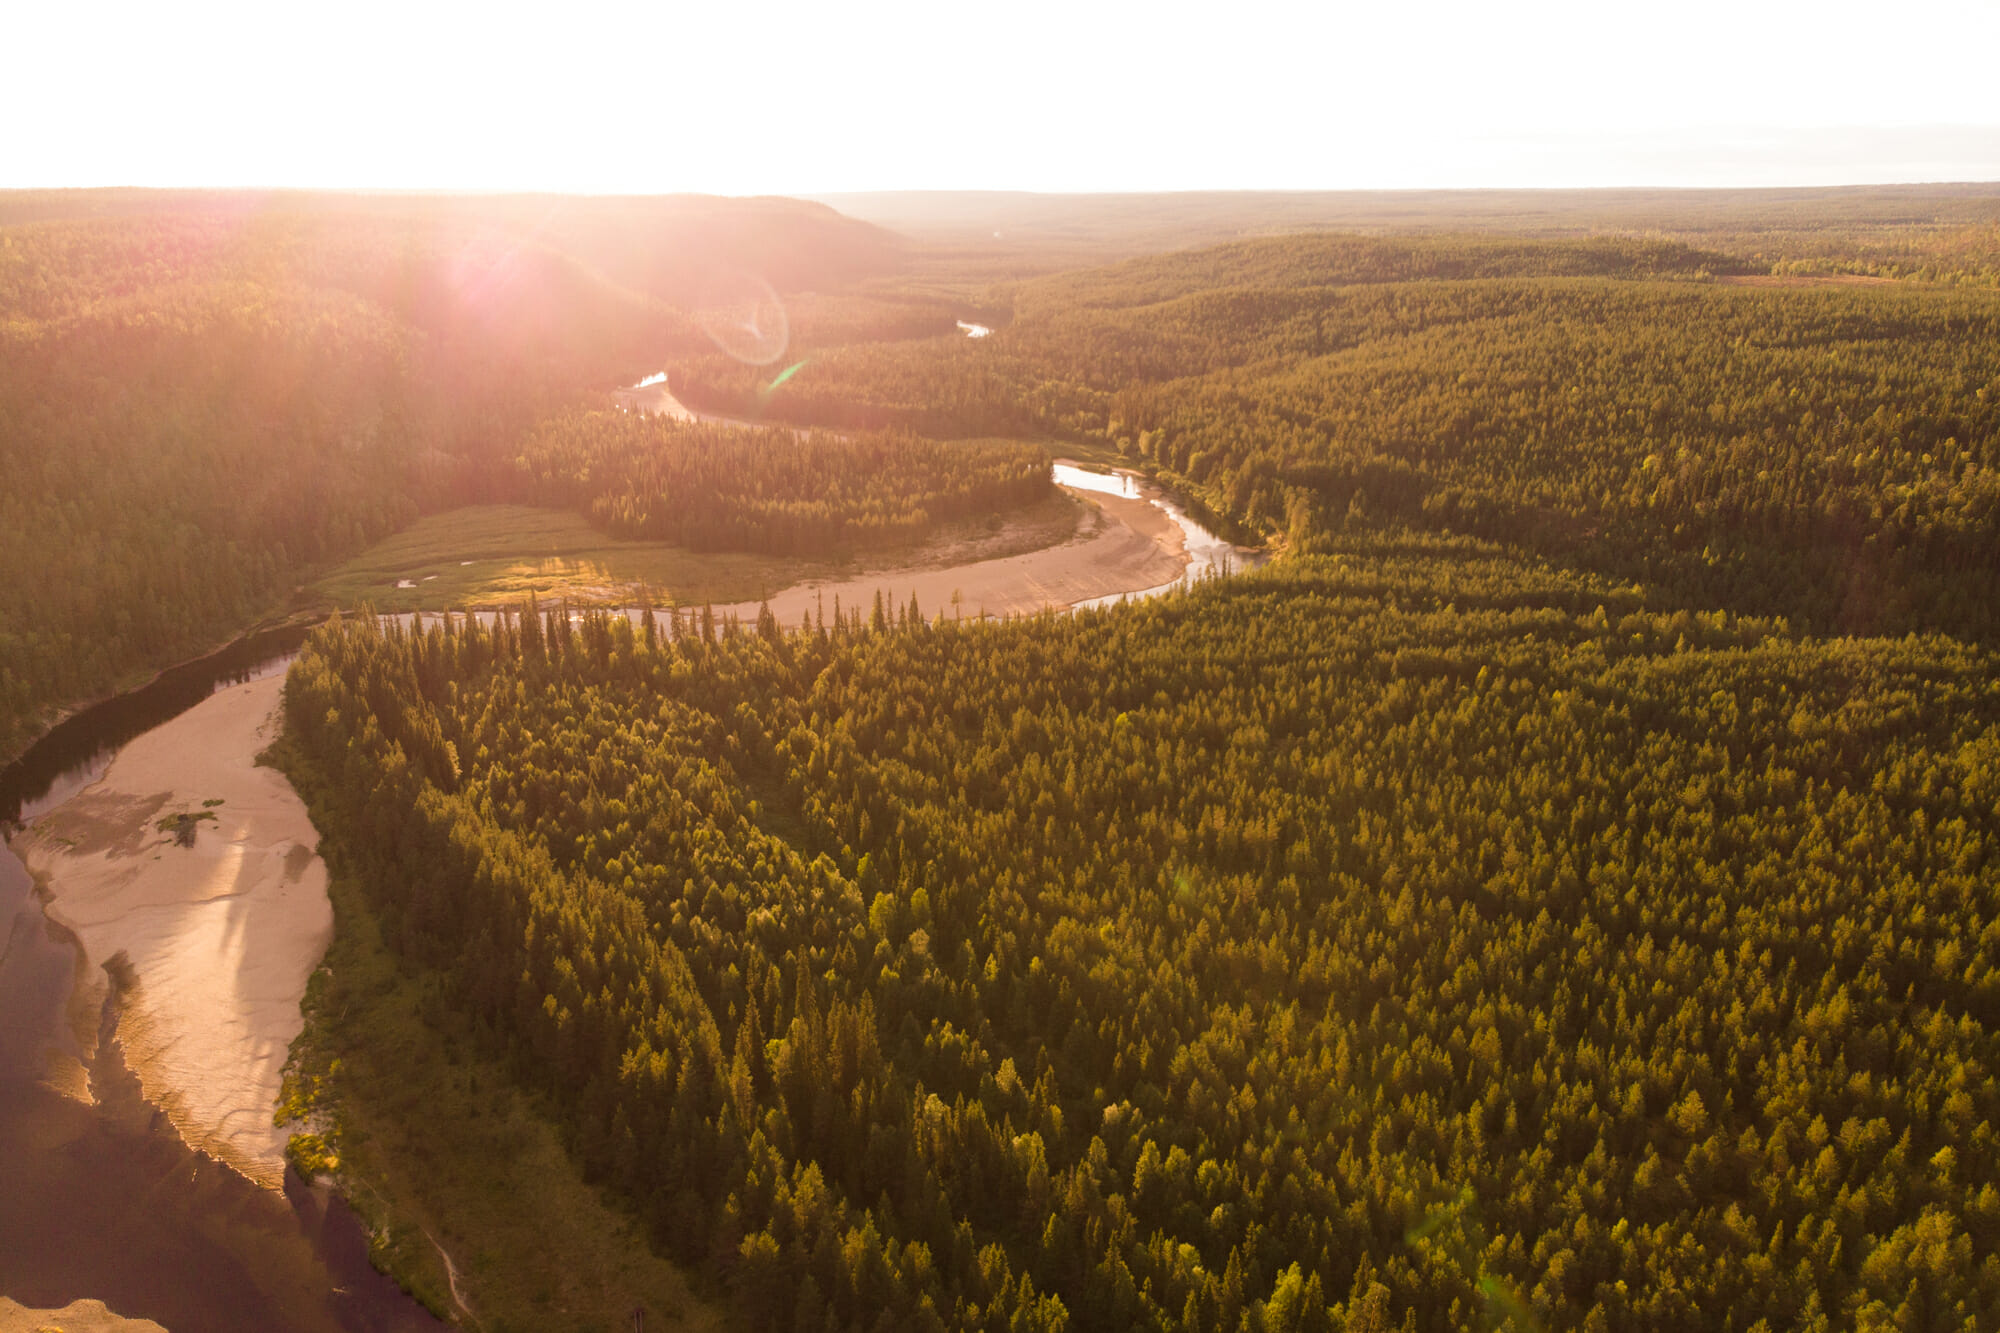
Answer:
(485, 555)
(490, 555)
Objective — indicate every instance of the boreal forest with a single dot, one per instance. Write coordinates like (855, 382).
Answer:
(1560, 890)
(208, 398)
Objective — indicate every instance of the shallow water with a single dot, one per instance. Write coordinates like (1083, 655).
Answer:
(105, 1200)
(1125, 485)
(1209, 556)
(75, 753)
(38, 964)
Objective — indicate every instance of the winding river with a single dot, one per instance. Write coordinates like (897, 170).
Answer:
(100, 1197)
(1208, 555)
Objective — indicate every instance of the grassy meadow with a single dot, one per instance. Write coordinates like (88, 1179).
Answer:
(488, 555)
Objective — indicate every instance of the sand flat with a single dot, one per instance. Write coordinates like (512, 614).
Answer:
(1124, 546)
(77, 1317)
(218, 939)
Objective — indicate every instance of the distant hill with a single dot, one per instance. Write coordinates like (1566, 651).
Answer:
(206, 394)
(662, 246)
(1054, 230)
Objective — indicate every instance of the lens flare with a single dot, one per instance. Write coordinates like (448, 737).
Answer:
(743, 316)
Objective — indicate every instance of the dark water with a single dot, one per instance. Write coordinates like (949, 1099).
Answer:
(76, 753)
(38, 965)
(106, 1201)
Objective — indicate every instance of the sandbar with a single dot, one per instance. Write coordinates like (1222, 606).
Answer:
(1122, 546)
(1131, 546)
(210, 945)
(76, 1317)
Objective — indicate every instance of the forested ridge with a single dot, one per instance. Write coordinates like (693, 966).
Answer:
(1947, 233)
(1823, 453)
(721, 487)
(1408, 936)
(205, 396)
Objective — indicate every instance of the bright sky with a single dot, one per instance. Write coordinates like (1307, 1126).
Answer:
(773, 96)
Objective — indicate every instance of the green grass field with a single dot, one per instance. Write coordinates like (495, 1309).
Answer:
(489, 555)
(495, 555)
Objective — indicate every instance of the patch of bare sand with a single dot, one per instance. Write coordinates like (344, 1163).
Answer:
(76, 1317)
(1132, 545)
(1125, 545)
(217, 939)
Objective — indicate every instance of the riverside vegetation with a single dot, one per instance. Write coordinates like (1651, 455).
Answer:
(772, 492)
(1827, 453)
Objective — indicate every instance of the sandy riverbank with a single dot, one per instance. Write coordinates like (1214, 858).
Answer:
(76, 1317)
(1121, 545)
(1131, 545)
(216, 940)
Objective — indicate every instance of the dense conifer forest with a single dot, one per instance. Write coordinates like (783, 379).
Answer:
(1409, 936)
(1559, 892)
(1649, 407)
(711, 487)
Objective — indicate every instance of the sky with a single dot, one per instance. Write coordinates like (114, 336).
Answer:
(778, 97)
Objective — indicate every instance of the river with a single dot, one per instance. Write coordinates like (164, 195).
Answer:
(99, 1197)
(1208, 555)
(1050, 579)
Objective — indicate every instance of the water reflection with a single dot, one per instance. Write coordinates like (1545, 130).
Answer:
(75, 753)
(105, 1201)
(38, 964)
(1122, 484)
(1209, 556)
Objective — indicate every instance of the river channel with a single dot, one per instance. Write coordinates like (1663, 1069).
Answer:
(99, 1196)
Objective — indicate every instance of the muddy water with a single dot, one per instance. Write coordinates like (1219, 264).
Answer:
(38, 965)
(104, 1200)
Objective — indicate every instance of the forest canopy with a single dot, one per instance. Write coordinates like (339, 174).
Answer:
(722, 487)
(1649, 407)
(1560, 892)
(1409, 936)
